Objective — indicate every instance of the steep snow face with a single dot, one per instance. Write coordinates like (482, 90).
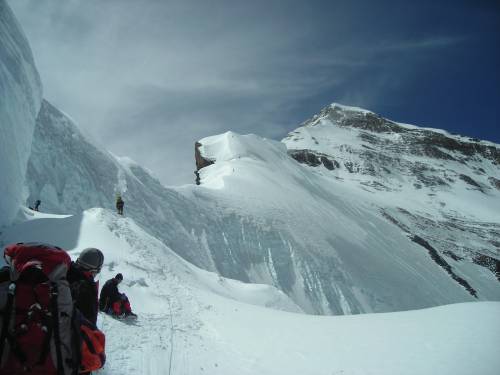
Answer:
(69, 174)
(150, 267)
(258, 216)
(340, 250)
(52, 174)
(195, 322)
(440, 190)
(20, 96)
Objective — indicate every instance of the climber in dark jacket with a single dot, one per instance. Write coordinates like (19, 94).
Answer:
(119, 204)
(111, 301)
(84, 288)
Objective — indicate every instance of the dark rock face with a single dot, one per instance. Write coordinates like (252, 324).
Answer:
(495, 182)
(360, 120)
(329, 164)
(442, 263)
(443, 246)
(488, 262)
(201, 162)
(469, 149)
(314, 159)
(470, 181)
(462, 241)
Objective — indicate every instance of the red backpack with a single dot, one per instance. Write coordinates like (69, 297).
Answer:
(40, 330)
(93, 343)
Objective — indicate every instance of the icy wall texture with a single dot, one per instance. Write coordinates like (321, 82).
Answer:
(70, 174)
(20, 96)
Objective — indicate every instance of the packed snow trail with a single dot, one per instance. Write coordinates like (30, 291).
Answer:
(144, 347)
(194, 322)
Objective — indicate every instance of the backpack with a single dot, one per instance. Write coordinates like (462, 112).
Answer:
(93, 343)
(40, 330)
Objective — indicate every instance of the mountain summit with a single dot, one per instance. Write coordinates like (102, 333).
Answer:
(441, 190)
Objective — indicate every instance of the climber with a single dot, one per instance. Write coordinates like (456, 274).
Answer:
(112, 302)
(84, 288)
(119, 204)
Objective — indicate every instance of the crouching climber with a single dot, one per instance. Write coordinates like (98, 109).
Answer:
(112, 302)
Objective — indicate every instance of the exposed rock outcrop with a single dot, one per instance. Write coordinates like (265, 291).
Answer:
(314, 159)
(201, 162)
(495, 182)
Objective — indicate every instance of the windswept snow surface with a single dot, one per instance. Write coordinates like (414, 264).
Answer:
(342, 251)
(195, 322)
(440, 190)
(260, 217)
(20, 96)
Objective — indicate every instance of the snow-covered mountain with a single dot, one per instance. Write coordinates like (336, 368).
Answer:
(381, 217)
(195, 322)
(442, 190)
(20, 96)
(311, 224)
(259, 216)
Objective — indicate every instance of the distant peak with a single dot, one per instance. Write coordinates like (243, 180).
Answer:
(344, 115)
(347, 108)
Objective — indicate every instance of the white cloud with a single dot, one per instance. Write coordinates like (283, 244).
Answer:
(138, 75)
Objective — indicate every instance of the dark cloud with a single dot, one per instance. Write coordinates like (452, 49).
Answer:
(148, 78)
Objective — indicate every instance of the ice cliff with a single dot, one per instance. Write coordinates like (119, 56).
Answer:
(20, 96)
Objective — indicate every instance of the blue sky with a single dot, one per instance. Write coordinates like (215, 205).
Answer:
(148, 78)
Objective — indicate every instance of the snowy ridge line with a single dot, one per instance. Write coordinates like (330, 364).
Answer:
(347, 111)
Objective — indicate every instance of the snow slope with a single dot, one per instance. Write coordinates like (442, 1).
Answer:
(69, 174)
(259, 217)
(405, 165)
(395, 217)
(361, 261)
(301, 239)
(441, 190)
(20, 96)
(195, 322)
